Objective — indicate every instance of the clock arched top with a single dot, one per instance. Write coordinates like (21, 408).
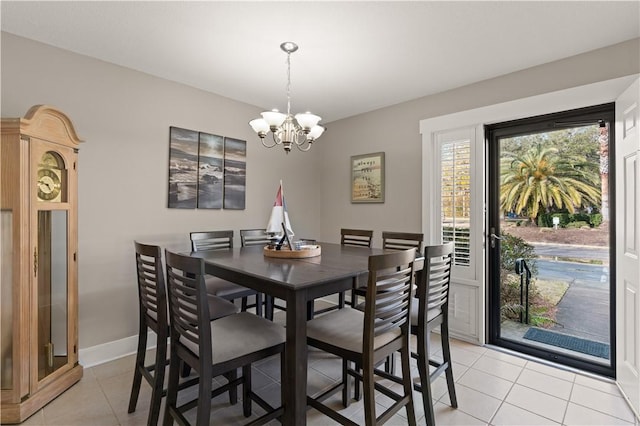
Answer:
(48, 123)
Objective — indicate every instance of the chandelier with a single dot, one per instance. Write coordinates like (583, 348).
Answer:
(287, 130)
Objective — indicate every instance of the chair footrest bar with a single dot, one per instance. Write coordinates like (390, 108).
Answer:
(329, 412)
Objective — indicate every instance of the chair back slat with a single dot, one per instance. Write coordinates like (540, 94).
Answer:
(402, 241)
(254, 237)
(151, 286)
(388, 296)
(436, 276)
(356, 237)
(188, 306)
(211, 240)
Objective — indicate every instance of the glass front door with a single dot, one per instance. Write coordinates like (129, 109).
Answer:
(549, 242)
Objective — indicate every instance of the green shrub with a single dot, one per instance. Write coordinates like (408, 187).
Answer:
(595, 219)
(578, 224)
(579, 217)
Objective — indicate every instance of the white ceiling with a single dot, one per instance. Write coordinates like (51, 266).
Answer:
(354, 56)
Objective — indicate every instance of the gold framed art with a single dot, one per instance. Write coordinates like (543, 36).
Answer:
(367, 178)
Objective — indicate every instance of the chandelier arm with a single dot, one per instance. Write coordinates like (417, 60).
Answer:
(299, 145)
(268, 146)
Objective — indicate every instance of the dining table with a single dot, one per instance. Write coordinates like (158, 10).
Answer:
(298, 281)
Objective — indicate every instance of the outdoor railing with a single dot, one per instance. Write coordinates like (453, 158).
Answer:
(522, 269)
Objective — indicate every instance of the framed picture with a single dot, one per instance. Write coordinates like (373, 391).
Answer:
(235, 173)
(210, 171)
(183, 168)
(367, 178)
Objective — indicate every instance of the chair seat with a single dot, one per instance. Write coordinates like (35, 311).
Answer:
(431, 314)
(344, 328)
(256, 334)
(219, 307)
(219, 287)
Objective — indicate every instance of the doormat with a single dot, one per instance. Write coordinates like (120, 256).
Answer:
(589, 347)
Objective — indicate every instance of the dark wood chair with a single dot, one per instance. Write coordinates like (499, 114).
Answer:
(152, 303)
(431, 311)
(354, 238)
(390, 241)
(218, 240)
(255, 237)
(393, 241)
(368, 338)
(213, 348)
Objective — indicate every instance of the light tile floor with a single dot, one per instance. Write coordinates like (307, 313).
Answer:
(493, 388)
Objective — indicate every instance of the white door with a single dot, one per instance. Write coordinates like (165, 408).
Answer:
(628, 244)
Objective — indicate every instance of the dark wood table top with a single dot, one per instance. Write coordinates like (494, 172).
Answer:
(336, 262)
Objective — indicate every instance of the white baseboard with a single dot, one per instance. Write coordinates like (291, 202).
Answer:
(105, 352)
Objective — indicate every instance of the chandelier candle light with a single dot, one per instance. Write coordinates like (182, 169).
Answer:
(286, 129)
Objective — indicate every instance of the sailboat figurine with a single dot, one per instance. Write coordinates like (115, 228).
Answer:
(281, 233)
(279, 227)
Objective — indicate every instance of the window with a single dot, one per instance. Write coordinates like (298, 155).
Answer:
(455, 197)
(455, 187)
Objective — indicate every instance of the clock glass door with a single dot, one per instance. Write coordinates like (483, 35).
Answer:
(52, 291)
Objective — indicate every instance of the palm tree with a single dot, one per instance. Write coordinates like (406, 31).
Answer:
(540, 178)
(603, 141)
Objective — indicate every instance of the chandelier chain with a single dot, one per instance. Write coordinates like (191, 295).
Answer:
(288, 83)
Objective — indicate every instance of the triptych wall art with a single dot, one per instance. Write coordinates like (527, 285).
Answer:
(206, 171)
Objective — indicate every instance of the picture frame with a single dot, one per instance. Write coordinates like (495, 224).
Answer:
(210, 171)
(367, 178)
(183, 168)
(235, 174)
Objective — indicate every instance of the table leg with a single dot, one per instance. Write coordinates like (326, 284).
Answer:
(295, 386)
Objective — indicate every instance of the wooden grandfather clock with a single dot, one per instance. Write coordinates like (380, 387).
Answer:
(39, 269)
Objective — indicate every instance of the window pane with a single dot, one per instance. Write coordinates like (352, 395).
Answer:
(456, 198)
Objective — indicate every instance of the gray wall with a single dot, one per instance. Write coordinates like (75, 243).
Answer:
(124, 117)
(395, 130)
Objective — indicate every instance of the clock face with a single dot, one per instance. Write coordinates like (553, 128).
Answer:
(49, 184)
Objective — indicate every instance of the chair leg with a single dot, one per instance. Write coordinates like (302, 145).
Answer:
(425, 380)
(259, 304)
(390, 365)
(346, 384)
(172, 388)
(233, 391)
(446, 354)
(356, 385)
(243, 306)
(407, 383)
(203, 411)
(137, 372)
(158, 381)
(246, 389)
(368, 390)
(268, 307)
(185, 370)
(341, 300)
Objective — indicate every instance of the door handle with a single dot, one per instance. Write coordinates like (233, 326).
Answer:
(493, 238)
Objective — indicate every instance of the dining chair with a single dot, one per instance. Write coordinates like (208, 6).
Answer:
(393, 241)
(152, 304)
(260, 237)
(366, 338)
(431, 311)
(354, 238)
(390, 241)
(218, 240)
(213, 348)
